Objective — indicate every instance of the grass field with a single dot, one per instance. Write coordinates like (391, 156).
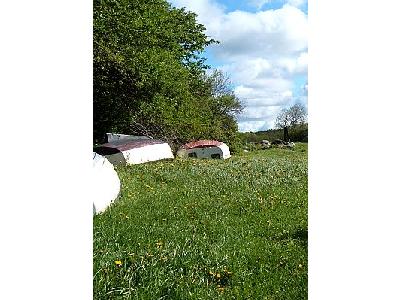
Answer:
(206, 229)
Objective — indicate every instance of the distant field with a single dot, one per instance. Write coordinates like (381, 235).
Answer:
(206, 229)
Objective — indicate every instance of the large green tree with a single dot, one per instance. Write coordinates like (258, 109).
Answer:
(149, 75)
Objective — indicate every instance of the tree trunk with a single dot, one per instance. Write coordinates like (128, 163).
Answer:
(285, 134)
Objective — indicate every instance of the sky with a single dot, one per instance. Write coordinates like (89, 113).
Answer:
(263, 49)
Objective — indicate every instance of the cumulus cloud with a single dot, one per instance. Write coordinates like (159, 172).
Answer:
(253, 126)
(262, 52)
(270, 33)
(258, 118)
(256, 97)
(293, 64)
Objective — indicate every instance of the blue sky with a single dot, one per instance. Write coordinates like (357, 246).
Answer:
(256, 5)
(263, 49)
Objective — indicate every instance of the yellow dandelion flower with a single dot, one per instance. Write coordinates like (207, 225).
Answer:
(118, 263)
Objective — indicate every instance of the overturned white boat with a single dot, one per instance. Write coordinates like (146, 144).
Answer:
(205, 149)
(135, 151)
(106, 183)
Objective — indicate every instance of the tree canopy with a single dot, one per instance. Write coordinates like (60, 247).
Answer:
(149, 76)
(292, 116)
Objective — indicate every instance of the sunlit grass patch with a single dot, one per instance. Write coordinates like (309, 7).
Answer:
(205, 229)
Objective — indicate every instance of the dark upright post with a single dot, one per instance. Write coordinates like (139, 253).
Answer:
(285, 134)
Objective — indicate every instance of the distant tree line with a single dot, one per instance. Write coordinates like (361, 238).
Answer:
(293, 120)
(298, 134)
(149, 76)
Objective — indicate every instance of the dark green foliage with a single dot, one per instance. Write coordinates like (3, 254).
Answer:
(149, 76)
(299, 133)
(206, 229)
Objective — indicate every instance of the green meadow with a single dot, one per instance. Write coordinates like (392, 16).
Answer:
(206, 229)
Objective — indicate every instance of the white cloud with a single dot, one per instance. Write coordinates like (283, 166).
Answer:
(258, 113)
(257, 97)
(258, 118)
(258, 3)
(209, 12)
(294, 65)
(251, 126)
(268, 33)
(262, 52)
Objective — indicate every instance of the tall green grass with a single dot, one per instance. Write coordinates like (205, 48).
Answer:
(206, 229)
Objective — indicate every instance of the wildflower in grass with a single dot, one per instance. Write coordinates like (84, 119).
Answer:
(227, 272)
(118, 263)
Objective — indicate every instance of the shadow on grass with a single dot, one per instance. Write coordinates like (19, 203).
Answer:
(300, 236)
